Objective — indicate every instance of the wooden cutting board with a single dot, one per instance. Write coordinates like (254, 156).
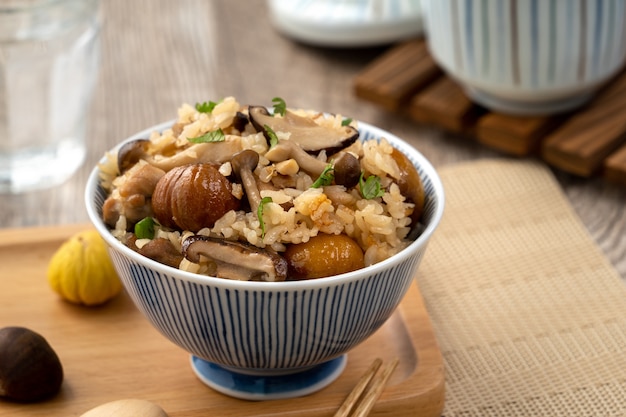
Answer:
(588, 142)
(111, 352)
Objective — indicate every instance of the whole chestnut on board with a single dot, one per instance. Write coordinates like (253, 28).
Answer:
(30, 370)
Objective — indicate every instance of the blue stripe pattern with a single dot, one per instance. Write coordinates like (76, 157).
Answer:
(265, 329)
(534, 41)
(271, 327)
(559, 43)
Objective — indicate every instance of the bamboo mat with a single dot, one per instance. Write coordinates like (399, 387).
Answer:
(529, 314)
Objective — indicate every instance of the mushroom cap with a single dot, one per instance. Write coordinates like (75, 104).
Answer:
(287, 149)
(347, 170)
(246, 159)
(311, 136)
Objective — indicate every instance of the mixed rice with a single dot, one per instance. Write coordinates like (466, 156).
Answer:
(295, 205)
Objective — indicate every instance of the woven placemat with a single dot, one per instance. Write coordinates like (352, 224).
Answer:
(529, 314)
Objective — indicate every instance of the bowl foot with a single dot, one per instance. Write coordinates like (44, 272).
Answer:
(268, 387)
(527, 108)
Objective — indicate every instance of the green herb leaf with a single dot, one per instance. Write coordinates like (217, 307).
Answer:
(326, 177)
(280, 107)
(346, 122)
(206, 107)
(214, 136)
(272, 135)
(370, 187)
(259, 213)
(144, 228)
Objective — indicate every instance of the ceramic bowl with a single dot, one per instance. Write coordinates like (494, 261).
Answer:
(527, 56)
(264, 340)
(347, 23)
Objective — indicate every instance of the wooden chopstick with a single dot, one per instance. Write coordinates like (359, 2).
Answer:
(355, 394)
(372, 394)
(375, 391)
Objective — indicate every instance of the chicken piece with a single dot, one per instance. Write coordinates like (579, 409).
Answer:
(131, 194)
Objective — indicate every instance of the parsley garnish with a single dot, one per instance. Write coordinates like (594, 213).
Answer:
(214, 136)
(144, 229)
(370, 187)
(280, 107)
(259, 213)
(272, 135)
(326, 177)
(346, 122)
(206, 107)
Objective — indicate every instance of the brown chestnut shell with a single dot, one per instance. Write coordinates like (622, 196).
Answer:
(30, 369)
(192, 197)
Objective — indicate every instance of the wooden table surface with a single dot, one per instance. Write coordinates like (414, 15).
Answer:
(158, 54)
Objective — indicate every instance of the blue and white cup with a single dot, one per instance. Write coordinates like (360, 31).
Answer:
(528, 56)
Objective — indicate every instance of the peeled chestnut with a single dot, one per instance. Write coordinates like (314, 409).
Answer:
(128, 407)
(323, 256)
(192, 197)
(30, 370)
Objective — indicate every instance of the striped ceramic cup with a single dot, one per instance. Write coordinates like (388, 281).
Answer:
(528, 56)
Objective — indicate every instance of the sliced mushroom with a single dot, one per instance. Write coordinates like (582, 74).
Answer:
(236, 260)
(243, 163)
(347, 169)
(287, 149)
(311, 136)
(130, 153)
(211, 152)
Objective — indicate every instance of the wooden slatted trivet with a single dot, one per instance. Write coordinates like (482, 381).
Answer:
(590, 141)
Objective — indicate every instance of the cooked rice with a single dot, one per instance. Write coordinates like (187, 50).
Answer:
(379, 225)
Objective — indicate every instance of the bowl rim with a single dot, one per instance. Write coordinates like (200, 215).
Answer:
(93, 181)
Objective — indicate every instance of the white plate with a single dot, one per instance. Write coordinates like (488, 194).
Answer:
(347, 23)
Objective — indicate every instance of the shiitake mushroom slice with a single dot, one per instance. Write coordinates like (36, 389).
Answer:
(311, 137)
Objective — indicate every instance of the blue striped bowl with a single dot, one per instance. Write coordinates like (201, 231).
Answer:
(259, 340)
(528, 56)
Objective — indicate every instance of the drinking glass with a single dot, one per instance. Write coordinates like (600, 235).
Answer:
(49, 56)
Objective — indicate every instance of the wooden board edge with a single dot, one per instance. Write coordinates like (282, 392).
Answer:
(40, 234)
(428, 382)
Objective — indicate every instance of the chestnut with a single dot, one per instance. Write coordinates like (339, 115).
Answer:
(192, 197)
(30, 370)
(128, 407)
(410, 184)
(323, 256)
